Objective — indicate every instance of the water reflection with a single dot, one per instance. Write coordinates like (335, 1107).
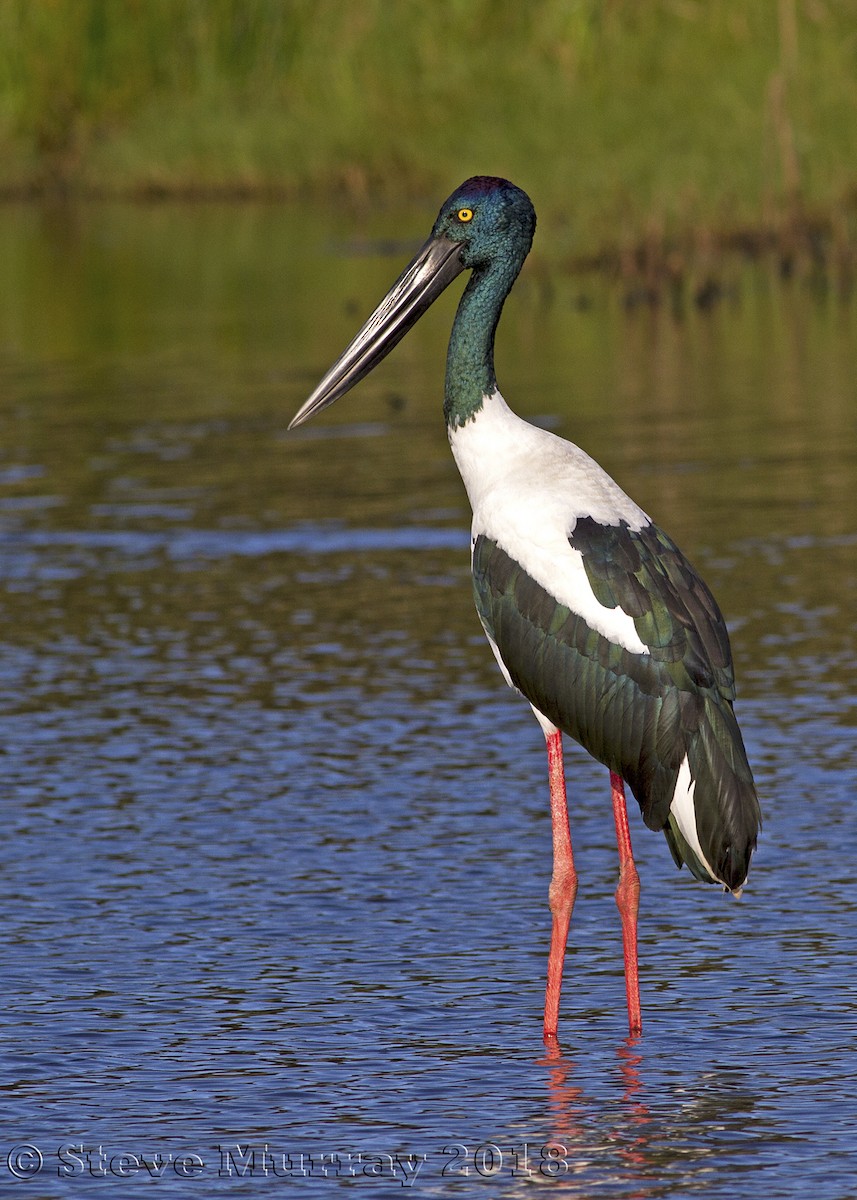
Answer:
(587, 1143)
(642, 1144)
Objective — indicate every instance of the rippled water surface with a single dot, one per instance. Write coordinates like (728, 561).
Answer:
(276, 840)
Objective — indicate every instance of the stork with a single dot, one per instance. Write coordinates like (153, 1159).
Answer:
(593, 613)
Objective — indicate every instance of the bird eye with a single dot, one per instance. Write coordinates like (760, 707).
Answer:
(465, 214)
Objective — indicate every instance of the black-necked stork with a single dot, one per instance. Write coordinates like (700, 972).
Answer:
(593, 613)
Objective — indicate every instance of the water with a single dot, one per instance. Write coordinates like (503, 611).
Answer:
(276, 837)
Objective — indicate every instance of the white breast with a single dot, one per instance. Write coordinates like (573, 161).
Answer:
(527, 489)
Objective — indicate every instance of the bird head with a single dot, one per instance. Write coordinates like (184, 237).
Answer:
(489, 218)
(485, 223)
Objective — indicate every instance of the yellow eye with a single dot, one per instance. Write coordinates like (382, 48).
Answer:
(465, 214)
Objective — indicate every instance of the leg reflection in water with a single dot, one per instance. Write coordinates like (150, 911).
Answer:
(591, 1138)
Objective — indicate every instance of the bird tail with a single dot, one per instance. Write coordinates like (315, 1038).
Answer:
(714, 817)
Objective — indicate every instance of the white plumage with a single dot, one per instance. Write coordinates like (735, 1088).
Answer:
(527, 487)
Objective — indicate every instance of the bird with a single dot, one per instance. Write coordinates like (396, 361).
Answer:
(592, 611)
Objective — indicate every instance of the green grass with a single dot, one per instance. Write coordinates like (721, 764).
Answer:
(628, 118)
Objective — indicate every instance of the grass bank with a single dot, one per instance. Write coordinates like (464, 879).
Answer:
(637, 121)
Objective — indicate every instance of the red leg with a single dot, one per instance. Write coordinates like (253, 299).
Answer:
(628, 902)
(563, 888)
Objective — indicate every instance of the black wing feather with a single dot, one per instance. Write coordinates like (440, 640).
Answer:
(639, 714)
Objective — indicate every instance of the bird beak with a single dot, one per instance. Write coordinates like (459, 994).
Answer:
(419, 285)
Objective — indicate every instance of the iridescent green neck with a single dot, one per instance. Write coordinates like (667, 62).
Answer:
(470, 358)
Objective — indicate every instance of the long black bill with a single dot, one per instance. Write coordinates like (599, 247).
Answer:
(419, 285)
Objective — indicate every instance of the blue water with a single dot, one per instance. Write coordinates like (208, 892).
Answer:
(276, 841)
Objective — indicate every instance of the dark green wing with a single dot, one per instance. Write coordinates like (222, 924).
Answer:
(639, 714)
(649, 578)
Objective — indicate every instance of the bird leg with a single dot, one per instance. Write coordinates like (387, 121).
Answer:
(563, 888)
(628, 902)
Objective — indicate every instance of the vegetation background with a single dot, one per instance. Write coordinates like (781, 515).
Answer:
(634, 119)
